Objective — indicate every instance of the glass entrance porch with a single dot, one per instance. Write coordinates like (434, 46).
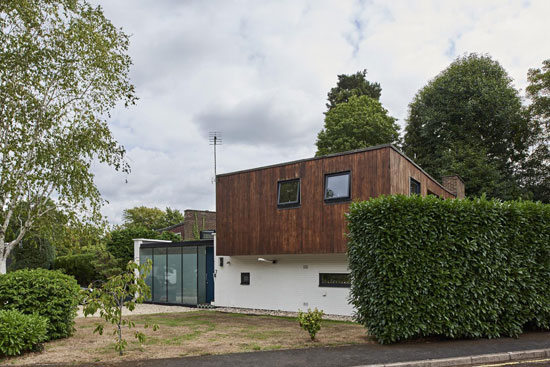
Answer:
(182, 272)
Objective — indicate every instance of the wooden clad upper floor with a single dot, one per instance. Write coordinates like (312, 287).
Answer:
(256, 216)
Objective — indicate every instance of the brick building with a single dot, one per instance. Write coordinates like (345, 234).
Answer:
(197, 224)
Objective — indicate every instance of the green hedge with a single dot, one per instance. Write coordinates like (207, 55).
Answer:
(20, 332)
(47, 293)
(80, 266)
(453, 268)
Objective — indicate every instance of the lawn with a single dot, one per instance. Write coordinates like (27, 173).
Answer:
(191, 334)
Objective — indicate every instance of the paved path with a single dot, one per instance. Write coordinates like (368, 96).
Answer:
(145, 309)
(357, 355)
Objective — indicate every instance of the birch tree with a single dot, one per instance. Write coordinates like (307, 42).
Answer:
(63, 67)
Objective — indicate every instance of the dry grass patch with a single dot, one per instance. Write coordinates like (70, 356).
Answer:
(192, 333)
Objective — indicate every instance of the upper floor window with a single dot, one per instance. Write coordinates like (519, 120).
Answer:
(338, 186)
(415, 187)
(288, 193)
(207, 234)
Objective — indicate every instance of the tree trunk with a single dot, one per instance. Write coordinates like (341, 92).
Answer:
(3, 264)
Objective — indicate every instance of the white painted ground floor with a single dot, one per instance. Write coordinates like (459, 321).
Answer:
(292, 283)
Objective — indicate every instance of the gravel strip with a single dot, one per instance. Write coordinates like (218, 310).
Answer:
(253, 311)
(145, 309)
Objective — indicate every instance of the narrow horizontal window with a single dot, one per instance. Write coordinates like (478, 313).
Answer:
(207, 235)
(341, 280)
(414, 187)
(338, 187)
(245, 278)
(288, 193)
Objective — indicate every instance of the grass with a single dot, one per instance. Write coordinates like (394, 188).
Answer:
(192, 334)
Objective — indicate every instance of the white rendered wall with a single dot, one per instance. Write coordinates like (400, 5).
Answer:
(291, 284)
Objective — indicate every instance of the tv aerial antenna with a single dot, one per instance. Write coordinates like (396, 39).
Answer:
(215, 139)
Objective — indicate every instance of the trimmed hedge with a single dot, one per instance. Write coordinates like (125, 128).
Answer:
(79, 266)
(20, 332)
(421, 266)
(47, 293)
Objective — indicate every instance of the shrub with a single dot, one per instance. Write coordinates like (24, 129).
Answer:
(33, 252)
(453, 268)
(79, 266)
(90, 267)
(310, 321)
(19, 332)
(47, 293)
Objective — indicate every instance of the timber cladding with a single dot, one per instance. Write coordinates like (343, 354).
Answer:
(250, 223)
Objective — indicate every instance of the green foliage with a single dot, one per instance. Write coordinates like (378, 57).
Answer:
(123, 290)
(151, 218)
(359, 123)
(121, 244)
(310, 321)
(468, 119)
(196, 229)
(79, 266)
(20, 332)
(63, 68)
(536, 170)
(32, 253)
(352, 85)
(422, 266)
(88, 268)
(47, 293)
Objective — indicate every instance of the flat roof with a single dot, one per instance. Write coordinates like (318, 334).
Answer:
(356, 151)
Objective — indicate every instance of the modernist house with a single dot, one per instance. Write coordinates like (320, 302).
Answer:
(280, 233)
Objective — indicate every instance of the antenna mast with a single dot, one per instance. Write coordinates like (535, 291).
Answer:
(215, 138)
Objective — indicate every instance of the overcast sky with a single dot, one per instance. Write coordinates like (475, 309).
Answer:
(259, 72)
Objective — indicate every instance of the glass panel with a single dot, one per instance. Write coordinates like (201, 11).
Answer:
(159, 275)
(173, 278)
(337, 186)
(189, 271)
(289, 192)
(144, 255)
(202, 274)
(334, 280)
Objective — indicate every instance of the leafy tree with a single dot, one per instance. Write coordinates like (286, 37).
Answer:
(361, 122)
(63, 67)
(151, 218)
(536, 170)
(469, 121)
(123, 290)
(352, 85)
(121, 244)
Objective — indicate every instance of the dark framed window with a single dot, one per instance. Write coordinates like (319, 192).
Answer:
(245, 278)
(207, 235)
(338, 186)
(288, 193)
(414, 187)
(338, 280)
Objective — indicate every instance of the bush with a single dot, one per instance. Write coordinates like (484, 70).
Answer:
(19, 332)
(33, 253)
(79, 266)
(310, 321)
(47, 293)
(453, 268)
(89, 267)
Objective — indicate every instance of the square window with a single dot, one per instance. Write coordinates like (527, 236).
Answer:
(245, 278)
(288, 193)
(338, 187)
(338, 280)
(415, 187)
